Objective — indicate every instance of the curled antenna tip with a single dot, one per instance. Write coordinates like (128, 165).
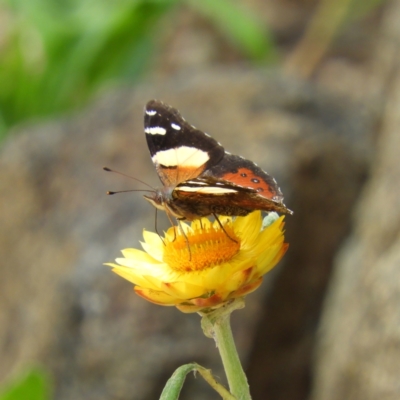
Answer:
(110, 192)
(107, 169)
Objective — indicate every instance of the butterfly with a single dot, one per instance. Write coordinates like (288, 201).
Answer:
(199, 177)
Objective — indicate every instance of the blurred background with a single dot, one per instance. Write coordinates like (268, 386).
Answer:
(308, 89)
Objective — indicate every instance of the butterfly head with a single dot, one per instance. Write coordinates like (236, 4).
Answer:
(162, 200)
(157, 199)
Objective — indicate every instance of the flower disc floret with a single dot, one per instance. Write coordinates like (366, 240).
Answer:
(201, 248)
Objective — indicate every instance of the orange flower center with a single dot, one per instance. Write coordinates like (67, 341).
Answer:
(201, 248)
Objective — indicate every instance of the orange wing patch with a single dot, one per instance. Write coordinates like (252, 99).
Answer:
(173, 175)
(246, 178)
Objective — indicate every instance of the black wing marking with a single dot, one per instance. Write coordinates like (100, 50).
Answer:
(166, 129)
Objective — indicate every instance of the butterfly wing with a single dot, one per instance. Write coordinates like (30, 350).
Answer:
(235, 186)
(242, 173)
(178, 150)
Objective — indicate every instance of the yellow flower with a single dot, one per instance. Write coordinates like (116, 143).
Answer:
(218, 264)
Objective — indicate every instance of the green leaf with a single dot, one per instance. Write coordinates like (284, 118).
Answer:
(174, 384)
(32, 385)
(58, 54)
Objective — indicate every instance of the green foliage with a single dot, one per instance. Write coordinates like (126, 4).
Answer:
(56, 54)
(174, 384)
(32, 385)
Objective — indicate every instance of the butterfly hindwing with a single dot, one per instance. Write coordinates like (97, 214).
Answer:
(244, 173)
(235, 186)
(178, 150)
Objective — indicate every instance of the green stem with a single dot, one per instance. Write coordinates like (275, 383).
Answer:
(217, 325)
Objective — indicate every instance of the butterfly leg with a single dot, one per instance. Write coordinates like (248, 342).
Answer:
(186, 239)
(156, 228)
(222, 227)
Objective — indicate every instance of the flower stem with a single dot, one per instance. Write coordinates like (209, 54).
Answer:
(217, 325)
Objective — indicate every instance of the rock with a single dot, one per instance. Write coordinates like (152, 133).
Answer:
(359, 348)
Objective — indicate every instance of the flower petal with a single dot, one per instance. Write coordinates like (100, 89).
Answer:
(248, 228)
(268, 261)
(239, 279)
(138, 255)
(138, 279)
(211, 301)
(152, 238)
(153, 245)
(156, 297)
(246, 289)
(182, 290)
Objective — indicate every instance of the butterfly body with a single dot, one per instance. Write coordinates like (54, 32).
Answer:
(199, 177)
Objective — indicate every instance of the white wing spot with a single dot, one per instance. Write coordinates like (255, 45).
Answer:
(206, 189)
(155, 130)
(207, 134)
(184, 157)
(176, 126)
(151, 112)
(197, 183)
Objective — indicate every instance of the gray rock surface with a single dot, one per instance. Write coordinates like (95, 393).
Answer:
(358, 356)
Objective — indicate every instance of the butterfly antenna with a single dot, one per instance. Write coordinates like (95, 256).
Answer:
(130, 177)
(130, 190)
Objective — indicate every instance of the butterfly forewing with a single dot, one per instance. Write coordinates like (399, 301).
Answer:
(178, 150)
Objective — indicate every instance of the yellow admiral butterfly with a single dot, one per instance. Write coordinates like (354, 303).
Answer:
(199, 177)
